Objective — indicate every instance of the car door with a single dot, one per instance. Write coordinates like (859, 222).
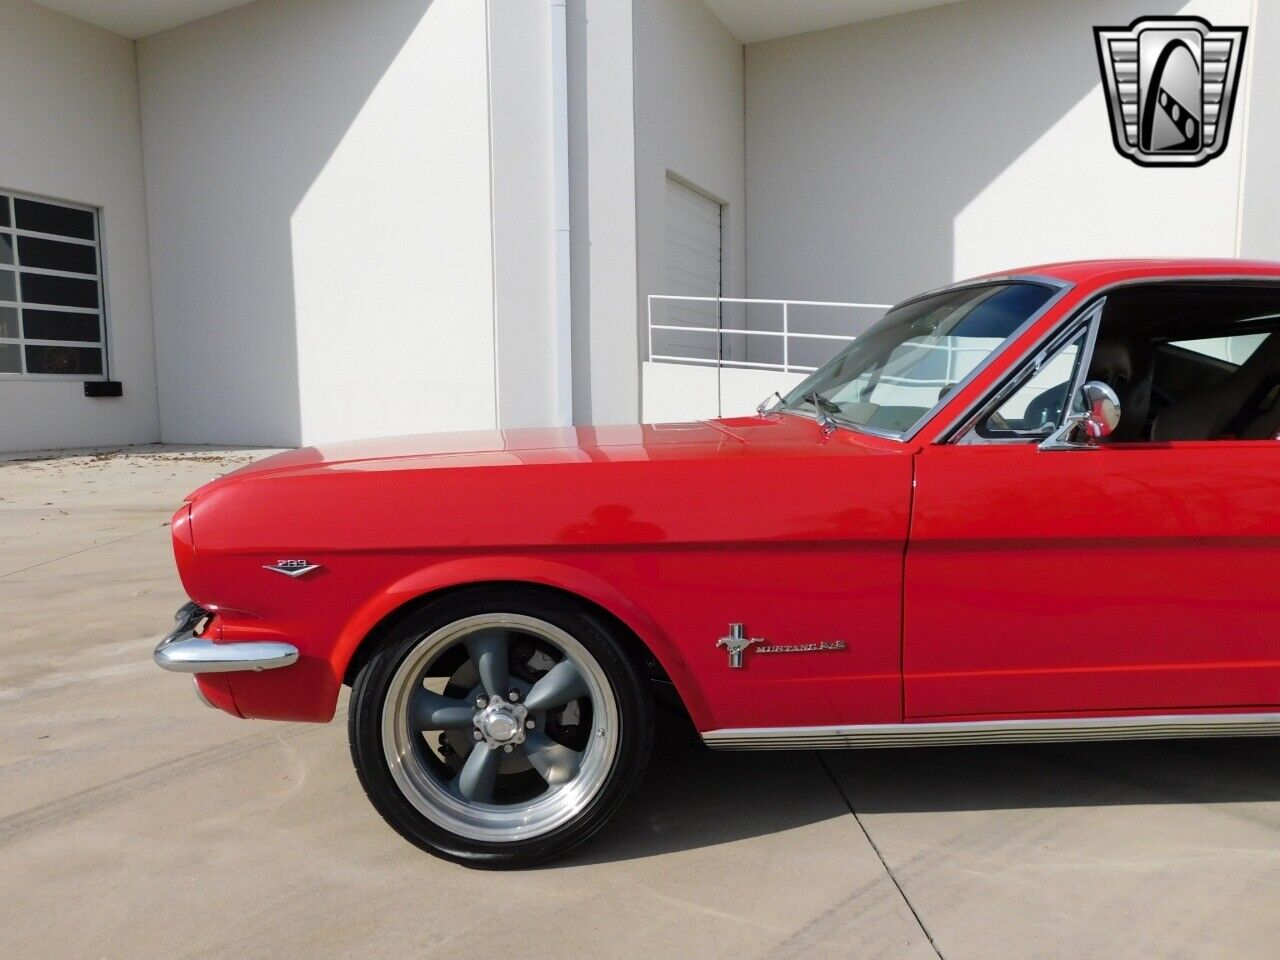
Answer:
(1134, 577)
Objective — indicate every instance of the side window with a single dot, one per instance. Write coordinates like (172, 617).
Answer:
(1036, 408)
(1231, 349)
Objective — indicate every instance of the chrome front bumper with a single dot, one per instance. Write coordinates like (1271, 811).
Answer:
(183, 652)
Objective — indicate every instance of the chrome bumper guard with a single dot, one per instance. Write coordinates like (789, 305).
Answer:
(183, 652)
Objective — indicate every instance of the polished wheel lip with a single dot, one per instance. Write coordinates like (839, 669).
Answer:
(491, 822)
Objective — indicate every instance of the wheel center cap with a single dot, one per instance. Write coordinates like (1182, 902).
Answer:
(501, 723)
(500, 726)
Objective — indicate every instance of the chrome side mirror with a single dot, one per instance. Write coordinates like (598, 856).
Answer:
(1095, 414)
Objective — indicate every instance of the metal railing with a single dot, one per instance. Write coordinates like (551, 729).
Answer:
(786, 333)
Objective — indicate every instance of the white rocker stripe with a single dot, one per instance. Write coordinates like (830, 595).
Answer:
(996, 731)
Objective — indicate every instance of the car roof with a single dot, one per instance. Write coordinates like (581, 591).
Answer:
(1101, 272)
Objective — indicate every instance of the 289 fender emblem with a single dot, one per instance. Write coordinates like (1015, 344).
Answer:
(292, 568)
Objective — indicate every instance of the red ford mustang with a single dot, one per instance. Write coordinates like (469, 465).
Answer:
(1029, 507)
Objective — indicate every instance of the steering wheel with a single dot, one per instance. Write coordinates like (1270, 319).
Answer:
(1047, 408)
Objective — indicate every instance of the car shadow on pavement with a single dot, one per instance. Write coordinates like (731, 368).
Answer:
(694, 797)
(1137, 772)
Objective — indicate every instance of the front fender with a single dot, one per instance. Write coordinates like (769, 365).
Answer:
(548, 573)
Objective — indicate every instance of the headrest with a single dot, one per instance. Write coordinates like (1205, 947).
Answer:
(1113, 362)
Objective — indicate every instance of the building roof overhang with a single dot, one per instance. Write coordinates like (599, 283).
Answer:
(749, 20)
(754, 20)
(139, 18)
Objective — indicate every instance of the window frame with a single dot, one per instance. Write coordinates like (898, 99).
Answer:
(103, 346)
(1050, 339)
(1087, 322)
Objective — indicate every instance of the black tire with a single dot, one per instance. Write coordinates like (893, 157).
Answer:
(372, 688)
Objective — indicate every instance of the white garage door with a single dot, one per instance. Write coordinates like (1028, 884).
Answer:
(692, 270)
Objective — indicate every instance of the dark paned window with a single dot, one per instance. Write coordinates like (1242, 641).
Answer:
(46, 290)
(56, 255)
(71, 361)
(54, 218)
(52, 325)
(52, 322)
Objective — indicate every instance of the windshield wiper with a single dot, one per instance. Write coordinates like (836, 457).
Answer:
(824, 408)
(820, 402)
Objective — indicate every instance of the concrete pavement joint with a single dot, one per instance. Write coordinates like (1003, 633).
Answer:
(76, 553)
(884, 863)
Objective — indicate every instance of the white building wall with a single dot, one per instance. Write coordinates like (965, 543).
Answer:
(319, 192)
(689, 123)
(895, 155)
(69, 116)
(523, 153)
(1260, 197)
(602, 171)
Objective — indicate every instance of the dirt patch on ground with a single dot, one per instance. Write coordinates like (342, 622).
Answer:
(126, 455)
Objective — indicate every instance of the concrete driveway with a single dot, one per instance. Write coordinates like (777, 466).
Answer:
(135, 823)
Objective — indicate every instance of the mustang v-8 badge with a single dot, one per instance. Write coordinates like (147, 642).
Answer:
(825, 646)
(737, 642)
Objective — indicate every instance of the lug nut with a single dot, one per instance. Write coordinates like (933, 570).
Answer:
(530, 724)
(508, 748)
(514, 695)
(478, 735)
(481, 703)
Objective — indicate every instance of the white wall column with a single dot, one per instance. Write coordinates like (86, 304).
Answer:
(531, 305)
(602, 171)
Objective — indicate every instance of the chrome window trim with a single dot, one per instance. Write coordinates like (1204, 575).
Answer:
(946, 733)
(956, 427)
(1062, 288)
(1090, 320)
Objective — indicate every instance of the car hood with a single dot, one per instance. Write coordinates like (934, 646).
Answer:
(748, 480)
(692, 440)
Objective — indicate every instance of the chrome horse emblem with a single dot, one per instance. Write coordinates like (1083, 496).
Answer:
(1171, 87)
(736, 643)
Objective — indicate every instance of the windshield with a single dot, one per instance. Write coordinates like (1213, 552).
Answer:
(895, 373)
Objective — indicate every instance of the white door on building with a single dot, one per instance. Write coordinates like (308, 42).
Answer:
(692, 270)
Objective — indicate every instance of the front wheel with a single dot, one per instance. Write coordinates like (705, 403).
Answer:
(499, 728)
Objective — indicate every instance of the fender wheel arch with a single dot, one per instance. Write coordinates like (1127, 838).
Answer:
(641, 656)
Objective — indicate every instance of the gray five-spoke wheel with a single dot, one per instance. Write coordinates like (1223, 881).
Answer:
(500, 727)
